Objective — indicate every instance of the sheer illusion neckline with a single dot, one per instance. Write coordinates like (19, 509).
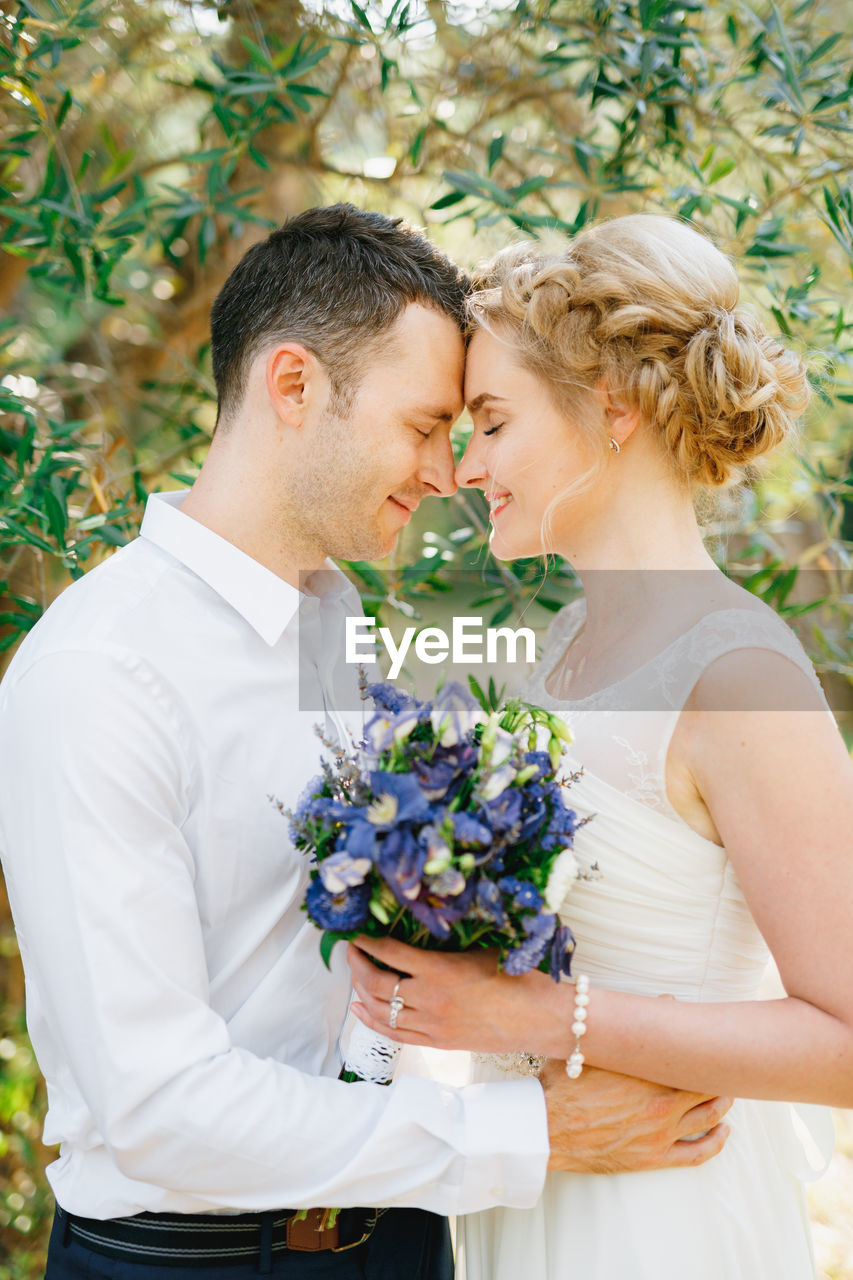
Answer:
(655, 660)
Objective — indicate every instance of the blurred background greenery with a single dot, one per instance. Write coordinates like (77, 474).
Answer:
(145, 143)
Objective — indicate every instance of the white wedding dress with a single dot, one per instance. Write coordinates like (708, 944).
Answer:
(665, 915)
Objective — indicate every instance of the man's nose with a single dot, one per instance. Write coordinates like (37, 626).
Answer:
(437, 466)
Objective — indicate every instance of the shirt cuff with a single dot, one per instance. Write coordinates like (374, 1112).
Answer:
(506, 1145)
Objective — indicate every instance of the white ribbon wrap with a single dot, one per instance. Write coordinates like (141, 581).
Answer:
(370, 1055)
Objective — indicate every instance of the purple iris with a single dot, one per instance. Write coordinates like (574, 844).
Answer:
(359, 839)
(504, 813)
(439, 913)
(340, 912)
(490, 902)
(562, 951)
(454, 714)
(468, 830)
(384, 729)
(535, 812)
(401, 864)
(411, 803)
(435, 777)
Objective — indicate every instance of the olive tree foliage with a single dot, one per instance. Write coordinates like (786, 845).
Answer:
(145, 144)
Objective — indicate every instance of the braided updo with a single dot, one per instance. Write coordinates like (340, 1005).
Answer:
(647, 306)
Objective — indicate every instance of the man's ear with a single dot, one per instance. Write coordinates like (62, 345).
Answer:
(296, 382)
(622, 419)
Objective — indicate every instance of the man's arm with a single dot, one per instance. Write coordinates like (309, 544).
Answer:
(97, 775)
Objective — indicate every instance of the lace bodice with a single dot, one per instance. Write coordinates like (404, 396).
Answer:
(622, 733)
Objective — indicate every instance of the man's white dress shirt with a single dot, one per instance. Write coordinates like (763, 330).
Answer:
(177, 1002)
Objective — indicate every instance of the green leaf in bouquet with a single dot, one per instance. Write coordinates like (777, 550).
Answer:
(327, 944)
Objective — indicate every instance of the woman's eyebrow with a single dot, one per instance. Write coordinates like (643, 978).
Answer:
(480, 400)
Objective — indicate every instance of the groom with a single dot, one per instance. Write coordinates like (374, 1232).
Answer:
(180, 1012)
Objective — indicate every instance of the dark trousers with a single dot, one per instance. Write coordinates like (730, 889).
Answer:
(408, 1244)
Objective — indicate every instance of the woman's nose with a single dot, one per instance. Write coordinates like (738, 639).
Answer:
(471, 472)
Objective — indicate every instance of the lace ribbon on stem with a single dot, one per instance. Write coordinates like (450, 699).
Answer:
(370, 1056)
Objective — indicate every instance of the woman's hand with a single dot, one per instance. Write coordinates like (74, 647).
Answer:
(460, 1001)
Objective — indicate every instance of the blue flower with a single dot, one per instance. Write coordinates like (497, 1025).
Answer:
(454, 714)
(562, 951)
(468, 830)
(435, 777)
(438, 913)
(462, 755)
(401, 864)
(528, 955)
(384, 729)
(341, 871)
(398, 799)
(561, 826)
(543, 922)
(358, 840)
(524, 893)
(389, 698)
(542, 761)
(535, 814)
(309, 793)
(447, 883)
(504, 813)
(490, 901)
(340, 912)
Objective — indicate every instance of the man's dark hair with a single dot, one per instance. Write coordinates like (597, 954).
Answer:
(334, 279)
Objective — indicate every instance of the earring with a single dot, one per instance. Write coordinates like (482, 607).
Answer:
(615, 445)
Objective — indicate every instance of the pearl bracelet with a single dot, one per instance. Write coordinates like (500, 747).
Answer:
(574, 1066)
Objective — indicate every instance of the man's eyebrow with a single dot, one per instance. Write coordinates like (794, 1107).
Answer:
(439, 413)
(480, 400)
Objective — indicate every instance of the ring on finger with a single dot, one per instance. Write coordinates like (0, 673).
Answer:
(396, 1007)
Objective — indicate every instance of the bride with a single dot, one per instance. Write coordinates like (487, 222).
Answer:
(605, 387)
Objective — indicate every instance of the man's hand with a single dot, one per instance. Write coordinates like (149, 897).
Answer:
(609, 1123)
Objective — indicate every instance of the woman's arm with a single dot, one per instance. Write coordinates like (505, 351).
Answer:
(779, 789)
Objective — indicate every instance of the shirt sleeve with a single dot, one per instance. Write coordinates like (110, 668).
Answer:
(98, 773)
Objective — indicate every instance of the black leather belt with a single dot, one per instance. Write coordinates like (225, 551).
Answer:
(199, 1240)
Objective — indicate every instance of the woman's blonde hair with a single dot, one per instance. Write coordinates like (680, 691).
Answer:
(647, 307)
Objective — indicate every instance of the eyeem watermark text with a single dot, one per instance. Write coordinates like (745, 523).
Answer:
(433, 645)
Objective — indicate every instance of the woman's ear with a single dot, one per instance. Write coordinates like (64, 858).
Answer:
(622, 419)
(296, 382)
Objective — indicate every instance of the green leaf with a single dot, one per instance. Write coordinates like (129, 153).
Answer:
(417, 146)
(361, 16)
(327, 943)
(478, 693)
(721, 169)
(64, 108)
(444, 202)
(501, 615)
(57, 517)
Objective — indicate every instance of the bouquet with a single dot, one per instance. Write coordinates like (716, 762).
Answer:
(445, 828)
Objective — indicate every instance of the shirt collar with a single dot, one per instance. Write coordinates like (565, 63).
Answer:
(260, 596)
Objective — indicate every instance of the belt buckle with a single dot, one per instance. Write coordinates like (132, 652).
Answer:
(369, 1228)
(314, 1230)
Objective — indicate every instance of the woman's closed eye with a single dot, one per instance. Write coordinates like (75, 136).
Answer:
(490, 431)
